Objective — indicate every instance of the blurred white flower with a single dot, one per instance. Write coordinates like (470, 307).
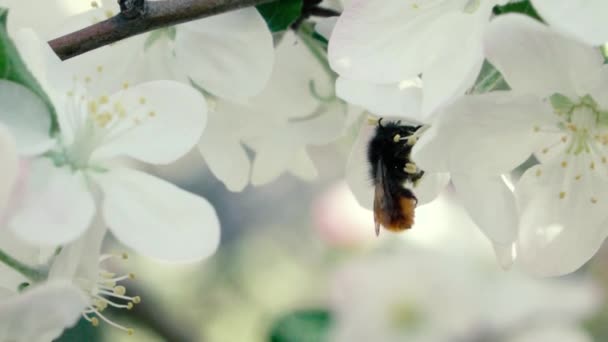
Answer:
(387, 41)
(296, 109)
(144, 122)
(40, 312)
(402, 297)
(557, 112)
(583, 19)
(9, 162)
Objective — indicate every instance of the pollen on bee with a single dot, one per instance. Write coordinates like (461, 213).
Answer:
(397, 138)
(410, 168)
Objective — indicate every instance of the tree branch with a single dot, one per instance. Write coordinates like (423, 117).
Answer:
(157, 14)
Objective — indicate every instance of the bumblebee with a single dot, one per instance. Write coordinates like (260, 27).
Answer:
(391, 170)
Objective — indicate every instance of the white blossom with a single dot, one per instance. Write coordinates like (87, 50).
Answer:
(397, 296)
(387, 41)
(144, 122)
(556, 111)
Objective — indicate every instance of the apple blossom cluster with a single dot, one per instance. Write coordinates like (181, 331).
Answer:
(420, 61)
(251, 103)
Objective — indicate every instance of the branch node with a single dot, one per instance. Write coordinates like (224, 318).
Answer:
(132, 9)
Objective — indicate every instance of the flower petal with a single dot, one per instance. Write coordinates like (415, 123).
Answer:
(358, 176)
(383, 41)
(455, 66)
(491, 205)
(156, 218)
(585, 20)
(237, 60)
(9, 161)
(223, 152)
(383, 100)
(562, 222)
(43, 310)
(553, 333)
(490, 133)
(56, 206)
(27, 117)
(81, 257)
(430, 186)
(166, 119)
(534, 59)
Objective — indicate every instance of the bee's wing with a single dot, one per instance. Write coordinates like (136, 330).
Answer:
(382, 197)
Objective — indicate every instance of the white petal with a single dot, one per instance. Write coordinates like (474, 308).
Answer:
(553, 333)
(296, 72)
(158, 219)
(171, 121)
(382, 100)
(535, 59)
(455, 66)
(383, 41)
(358, 175)
(9, 162)
(230, 55)
(562, 222)
(491, 205)
(81, 257)
(284, 149)
(26, 116)
(430, 186)
(223, 152)
(490, 133)
(302, 166)
(44, 309)
(584, 20)
(56, 205)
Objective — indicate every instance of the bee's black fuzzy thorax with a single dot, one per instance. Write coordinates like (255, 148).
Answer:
(394, 155)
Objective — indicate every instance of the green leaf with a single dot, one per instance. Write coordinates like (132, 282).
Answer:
(523, 7)
(13, 68)
(280, 14)
(83, 331)
(302, 326)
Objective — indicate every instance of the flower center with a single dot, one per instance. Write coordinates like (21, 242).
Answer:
(94, 121)
(105, 291)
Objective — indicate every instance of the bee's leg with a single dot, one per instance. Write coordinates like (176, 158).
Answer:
(377, 229)
(132, 9)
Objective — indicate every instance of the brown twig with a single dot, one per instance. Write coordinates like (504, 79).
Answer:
(157, 14)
